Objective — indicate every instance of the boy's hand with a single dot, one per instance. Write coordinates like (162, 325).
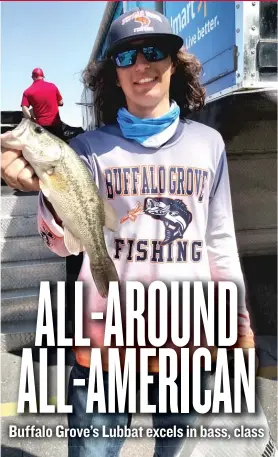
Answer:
(17, 172)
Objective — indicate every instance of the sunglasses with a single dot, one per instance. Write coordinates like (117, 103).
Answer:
(128, 58)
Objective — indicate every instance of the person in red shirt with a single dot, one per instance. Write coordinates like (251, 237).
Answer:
(45, 99)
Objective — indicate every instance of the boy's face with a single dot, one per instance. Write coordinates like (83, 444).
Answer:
(146, 84)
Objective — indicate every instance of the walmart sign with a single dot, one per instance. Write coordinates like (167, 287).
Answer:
(208, 30)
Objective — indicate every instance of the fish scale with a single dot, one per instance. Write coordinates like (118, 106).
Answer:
(69, 187)
(84, 197)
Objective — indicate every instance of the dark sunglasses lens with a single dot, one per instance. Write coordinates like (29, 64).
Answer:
(154, 54)
(126, 58)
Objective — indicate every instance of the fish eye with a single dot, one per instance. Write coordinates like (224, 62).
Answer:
(38, 129)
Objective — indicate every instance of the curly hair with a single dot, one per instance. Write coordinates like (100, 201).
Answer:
(185, 87)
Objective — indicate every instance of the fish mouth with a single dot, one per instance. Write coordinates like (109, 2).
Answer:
(22, 127)
(14, 138)
(150, 206)
(153, 207)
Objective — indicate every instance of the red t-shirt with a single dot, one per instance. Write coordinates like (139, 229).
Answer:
(44, 98)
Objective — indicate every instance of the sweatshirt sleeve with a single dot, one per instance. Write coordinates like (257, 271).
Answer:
(222, 247)
(51, 232)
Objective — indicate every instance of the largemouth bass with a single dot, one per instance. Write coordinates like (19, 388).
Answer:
(68, 185)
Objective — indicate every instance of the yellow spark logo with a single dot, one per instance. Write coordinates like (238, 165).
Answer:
(205, 7)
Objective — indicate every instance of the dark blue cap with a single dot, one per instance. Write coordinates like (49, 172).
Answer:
(141, 23)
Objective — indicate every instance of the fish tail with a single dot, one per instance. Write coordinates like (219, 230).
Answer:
(103, 275)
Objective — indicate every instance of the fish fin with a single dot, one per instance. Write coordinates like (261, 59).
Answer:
(102, 276)
(44, 189)
(111, 220)
(73, 244)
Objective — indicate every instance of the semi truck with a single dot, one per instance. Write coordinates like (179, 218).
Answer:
(236, 43)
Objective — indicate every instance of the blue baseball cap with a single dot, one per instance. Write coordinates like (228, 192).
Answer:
(141, 23)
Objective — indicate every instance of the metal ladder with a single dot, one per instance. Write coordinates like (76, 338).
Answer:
(25, 261)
